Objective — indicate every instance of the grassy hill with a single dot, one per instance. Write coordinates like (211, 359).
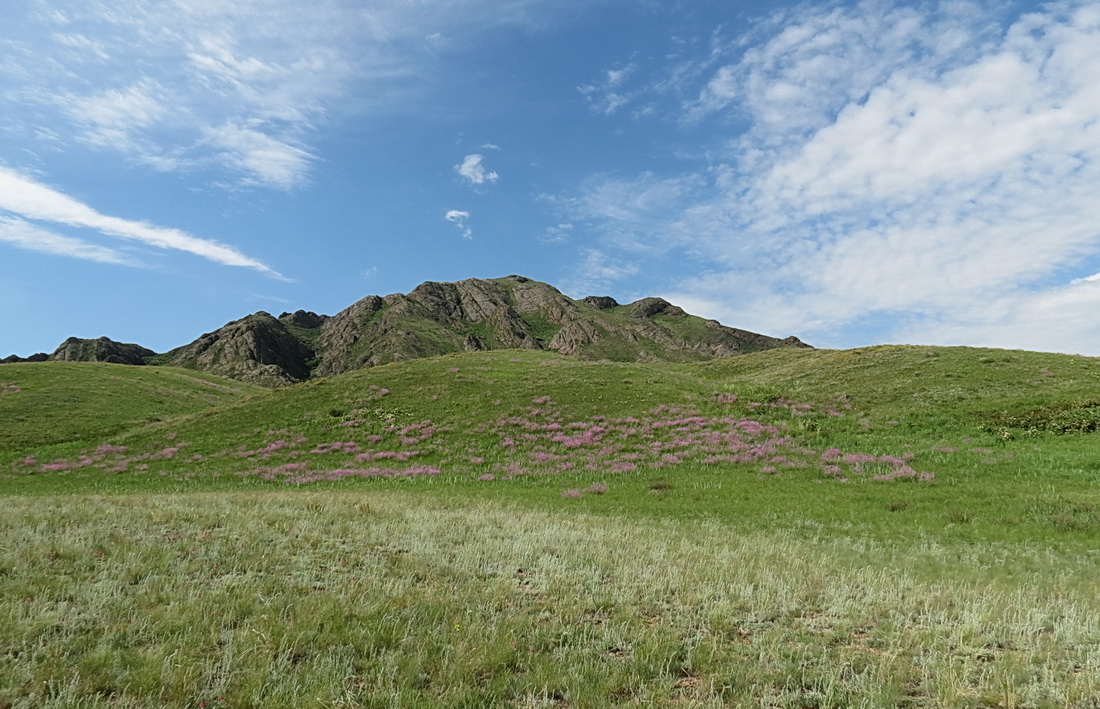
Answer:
(85, 403)
(890, 526)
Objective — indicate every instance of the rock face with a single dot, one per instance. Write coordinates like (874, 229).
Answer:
(516, 312)
(101, 349)
(439, 318)
(257, 349)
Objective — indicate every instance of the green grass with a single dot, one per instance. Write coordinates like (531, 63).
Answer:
(561, 533)
(73, 403)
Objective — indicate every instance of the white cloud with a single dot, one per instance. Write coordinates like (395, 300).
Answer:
(558, 234)
(164, 83)
(89, 48)
(458, 217)
(29, 199)
(474, 172)
(797, 68)
(155, 80)
(265, 160)
(637, 200)
(905, 173)
(596, 273)
(27, 236)
(1054, 320)
(115, 118)
(606, 95)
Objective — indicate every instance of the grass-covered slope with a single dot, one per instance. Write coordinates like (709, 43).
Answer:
(887, 527)
(52, 403)
(770, 426)
(954, 382)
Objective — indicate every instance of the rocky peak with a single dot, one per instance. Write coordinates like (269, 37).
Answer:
(257, 348)
(303, 319)
(601, 302)
(101, 349)
(470, 301)
(648, 307)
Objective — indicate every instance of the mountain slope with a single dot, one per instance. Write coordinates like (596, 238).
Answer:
(470, 315)
(442, 318)
(258, 349)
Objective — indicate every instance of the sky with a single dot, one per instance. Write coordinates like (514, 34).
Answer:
(852, 173)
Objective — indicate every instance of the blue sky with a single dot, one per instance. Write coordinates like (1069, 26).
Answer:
(851, 173)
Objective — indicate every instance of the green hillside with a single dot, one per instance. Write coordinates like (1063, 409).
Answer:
(891, 526)
(53, 403)
(954, 418)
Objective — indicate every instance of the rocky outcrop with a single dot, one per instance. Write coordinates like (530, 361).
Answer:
(101, 349)
(14, 359)
(439, 318)
(601, 302)
(257, 349)
(518, 313)
(303, 319)
(574, 336)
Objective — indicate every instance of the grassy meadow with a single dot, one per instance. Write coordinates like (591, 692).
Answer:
(885, 527)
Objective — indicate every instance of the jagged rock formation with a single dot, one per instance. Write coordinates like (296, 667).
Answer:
(13, 359)
(516, 312)
(439, 318)
(101, 349)
(257, 349)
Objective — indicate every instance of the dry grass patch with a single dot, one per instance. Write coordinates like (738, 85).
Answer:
(348, 598)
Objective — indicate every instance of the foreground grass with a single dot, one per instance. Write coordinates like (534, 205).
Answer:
(379, 599)
(909, 527)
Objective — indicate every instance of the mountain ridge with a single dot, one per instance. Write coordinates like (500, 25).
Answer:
(435, 318)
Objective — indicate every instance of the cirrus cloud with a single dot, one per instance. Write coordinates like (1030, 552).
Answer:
(31, 200)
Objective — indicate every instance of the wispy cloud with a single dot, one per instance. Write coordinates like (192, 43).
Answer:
(184, 86)
(597, 272)
(17, 232)
(887, 170)
(241, 87)
(459, 217)
(558, 234)
(606, 94)
(263, 160)
(31, 200)
(474, 172)
(115, 118)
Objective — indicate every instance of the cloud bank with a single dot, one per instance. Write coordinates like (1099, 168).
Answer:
(886, 173)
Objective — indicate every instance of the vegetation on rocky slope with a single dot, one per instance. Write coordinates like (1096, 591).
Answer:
(441, 318)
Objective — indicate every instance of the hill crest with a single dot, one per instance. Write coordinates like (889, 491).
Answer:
(436, 318)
